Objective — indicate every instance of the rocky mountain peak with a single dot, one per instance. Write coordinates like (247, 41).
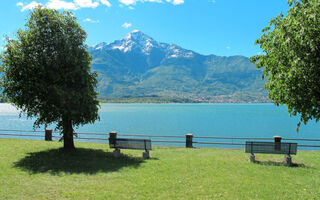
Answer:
(141, 43)
(137, 35)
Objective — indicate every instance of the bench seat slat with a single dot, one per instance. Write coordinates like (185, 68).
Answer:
(271, 147)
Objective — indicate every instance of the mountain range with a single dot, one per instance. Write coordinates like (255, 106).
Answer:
(139, 66)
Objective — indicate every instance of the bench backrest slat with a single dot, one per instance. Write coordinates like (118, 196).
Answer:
(271, 147)
(128, 143)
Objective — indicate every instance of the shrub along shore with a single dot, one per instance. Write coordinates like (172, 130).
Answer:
(31, 169)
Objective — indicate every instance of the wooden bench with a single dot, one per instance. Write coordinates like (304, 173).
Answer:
(288, 149)
(128, 143)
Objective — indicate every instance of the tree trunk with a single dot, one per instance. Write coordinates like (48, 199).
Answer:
(67, 134)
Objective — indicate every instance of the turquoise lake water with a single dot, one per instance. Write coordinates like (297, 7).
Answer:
(225, 120)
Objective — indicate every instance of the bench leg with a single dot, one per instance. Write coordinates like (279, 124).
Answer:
(288, 160)
(252, 157)
(146, 154)
(116, 153)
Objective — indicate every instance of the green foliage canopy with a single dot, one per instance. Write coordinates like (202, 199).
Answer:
(291, 59)
(47, 72)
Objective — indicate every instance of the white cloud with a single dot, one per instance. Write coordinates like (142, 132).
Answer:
(128, 2)
(29, 6)
(58, 4)
(106, 2)
(86, 3)
(227, 47)
(177, 2)
(77, 4)
(156, 1)
(126, 25)
(61, 4)
(133, 2)
(90, 20)
(19, 4)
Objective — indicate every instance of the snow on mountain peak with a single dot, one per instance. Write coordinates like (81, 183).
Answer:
(137, 36)
(135, 31)
(175, 51)
(100, 46)
(137, 40)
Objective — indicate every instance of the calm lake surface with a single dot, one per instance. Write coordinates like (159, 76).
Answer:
(226, 120)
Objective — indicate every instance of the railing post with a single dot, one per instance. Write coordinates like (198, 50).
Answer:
(112, 143)
(146, 153)
(189, 137)
(48, 135)
(277, 142)
(252, 157)
(112, 137)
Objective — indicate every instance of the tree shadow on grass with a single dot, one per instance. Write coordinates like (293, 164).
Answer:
(81, 160)
(278, 163)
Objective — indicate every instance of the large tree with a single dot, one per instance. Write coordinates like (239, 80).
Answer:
(291, 59)
(47, 72)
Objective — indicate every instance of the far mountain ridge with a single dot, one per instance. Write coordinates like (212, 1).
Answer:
(138, 65)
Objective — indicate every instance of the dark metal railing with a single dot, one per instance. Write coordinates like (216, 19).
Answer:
(189, 140)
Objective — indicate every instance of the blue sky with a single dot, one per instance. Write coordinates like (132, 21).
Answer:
(220, 27)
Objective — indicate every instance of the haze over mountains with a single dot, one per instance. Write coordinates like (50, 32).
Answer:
(138, 66)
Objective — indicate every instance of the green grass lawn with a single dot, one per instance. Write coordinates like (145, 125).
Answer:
(32, 169)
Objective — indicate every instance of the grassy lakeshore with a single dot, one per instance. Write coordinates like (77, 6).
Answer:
(32, 169)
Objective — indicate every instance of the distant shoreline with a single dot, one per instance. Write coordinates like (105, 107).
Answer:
(159, 99)
(165, 100)
(187, 103)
